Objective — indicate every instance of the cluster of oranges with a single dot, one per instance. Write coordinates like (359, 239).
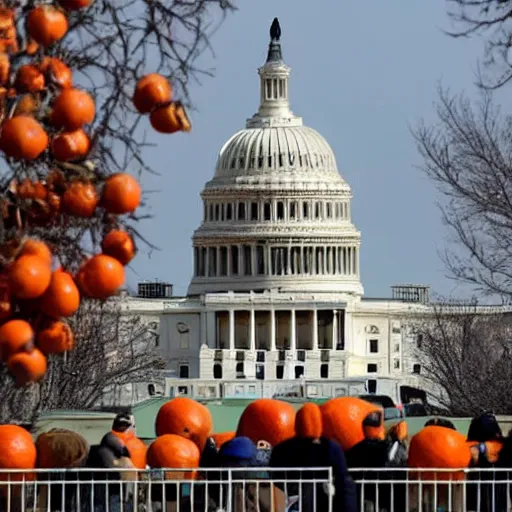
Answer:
(44, 121)
(153, 96)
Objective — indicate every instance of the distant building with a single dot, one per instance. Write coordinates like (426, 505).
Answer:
(276, 292)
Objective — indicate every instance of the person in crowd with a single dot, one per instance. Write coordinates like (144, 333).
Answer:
(487, 438)
(376, 451)
(110, 453)
(440, 422)
(304, 452)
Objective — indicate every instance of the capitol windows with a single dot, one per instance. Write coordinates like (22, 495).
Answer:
(373, 346)
(247, 260)
(210, 210)
(217, 371)
(202, 261)
(282, 89)
(324, 371)
(229, 211)
(416, 369)
(396, 364)
(254, 211)
(371, 368)
(320, 260)
(223, 261)
(317, 211)
(234, 260)
(212, 261)
(217, 211)
(293, 210)
(268, 89)
(295, 260)
(280, 210)
(267, 211)
(260, 259)
(305, 210)
(328, 208)
(241, 211)
(337, 210)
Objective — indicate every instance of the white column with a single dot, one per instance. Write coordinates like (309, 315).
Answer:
(325, 271)
(231, 329)
(272, 330)
(293, 341)
(207, 263)
(268, 266)
(241, 269)
(217, 270)
(204, 334)
(228, 260)
(288, 270)
(252, 331)
(334, 329)
(253, 260)
(314, 326)
(301, 261)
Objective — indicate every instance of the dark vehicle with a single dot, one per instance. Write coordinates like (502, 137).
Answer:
(415, 409)
(391, 411)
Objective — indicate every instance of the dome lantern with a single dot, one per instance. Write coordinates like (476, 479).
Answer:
(274, 75)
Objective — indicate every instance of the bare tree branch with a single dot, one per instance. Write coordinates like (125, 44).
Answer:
(468, 155)
(113, 348)
(493, 20)
(466, 358)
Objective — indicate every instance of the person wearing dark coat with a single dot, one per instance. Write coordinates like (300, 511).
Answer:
(377, 451)
(299, 452)
(110, 453)
(483, 497)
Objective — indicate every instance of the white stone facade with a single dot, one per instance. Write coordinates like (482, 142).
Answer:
(276, 291)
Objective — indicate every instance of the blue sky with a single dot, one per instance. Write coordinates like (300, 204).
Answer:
(362, 74)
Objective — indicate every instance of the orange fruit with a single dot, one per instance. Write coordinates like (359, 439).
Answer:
(343, 419)
(27, 367)
(308, 422)
(62, 297)
(176, 452)
(439, 447)
(185, 417)
(55, 337)
(15, 336)
(29, 276)
(17, 451)
(268, 420)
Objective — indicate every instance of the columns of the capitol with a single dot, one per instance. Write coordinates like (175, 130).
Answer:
(231, 330)
(293, 340)
(334, 330)
(272, 330)
(252, 330)
(314, 325)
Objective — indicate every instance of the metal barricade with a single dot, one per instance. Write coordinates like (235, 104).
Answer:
(433, 490)
(204, 490)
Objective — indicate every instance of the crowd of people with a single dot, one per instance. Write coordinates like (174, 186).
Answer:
(249, 476)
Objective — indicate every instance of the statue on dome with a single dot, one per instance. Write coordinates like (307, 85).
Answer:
(275, 30)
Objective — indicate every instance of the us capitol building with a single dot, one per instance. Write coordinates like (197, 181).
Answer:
(276, 293)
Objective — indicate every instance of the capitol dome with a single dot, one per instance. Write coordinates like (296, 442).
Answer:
(277, 211)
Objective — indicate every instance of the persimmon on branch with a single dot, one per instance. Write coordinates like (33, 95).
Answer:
(75, 77)
(491, 19)
(112, 349)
